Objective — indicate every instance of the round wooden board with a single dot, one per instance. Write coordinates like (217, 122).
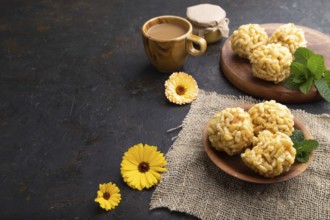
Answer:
(238, 70)
(234, 166)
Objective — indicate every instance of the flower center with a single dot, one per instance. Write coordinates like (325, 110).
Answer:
(143, 167)
(106, 195)
(180, 90)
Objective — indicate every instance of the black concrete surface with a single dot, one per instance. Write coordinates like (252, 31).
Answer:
(76, 91)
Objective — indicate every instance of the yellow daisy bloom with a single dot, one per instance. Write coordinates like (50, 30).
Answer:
(141, 166)
(181, 88)
(108, 196)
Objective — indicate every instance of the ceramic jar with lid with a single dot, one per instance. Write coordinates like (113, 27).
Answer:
(209, 21)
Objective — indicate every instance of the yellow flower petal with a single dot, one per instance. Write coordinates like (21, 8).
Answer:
(153, 153)
(102, 187)
(131, 158)
(148, 152)
(103, 205)
(116, 199)
(158, 169)
(114, 190)
(130, 174)
(99, 194)
(141, 154)
(134, 179)
(155, 174)
(136, 182)
(151, 179)
(143, 181)
(112, 203)
(128, 166)
(159, 160)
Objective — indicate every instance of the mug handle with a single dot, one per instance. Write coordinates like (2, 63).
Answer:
(198, 40)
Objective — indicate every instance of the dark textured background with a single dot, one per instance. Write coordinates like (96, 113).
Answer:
(76, 91)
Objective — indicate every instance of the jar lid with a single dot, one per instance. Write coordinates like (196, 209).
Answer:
(205, 15)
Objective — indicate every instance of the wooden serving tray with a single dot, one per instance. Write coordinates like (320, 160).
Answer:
(238, 70)
(234, 166)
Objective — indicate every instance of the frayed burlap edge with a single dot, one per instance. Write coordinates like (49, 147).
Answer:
(194, 185)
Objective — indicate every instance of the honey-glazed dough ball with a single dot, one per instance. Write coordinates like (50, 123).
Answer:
(271, 62)
(289, 36)
(271, 116)
(247, 38)
(230, 130)
(271, 155)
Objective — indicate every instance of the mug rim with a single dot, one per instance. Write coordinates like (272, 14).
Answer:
(170, 39)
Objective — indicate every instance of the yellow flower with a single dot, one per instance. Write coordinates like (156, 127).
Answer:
(141, 166)
(108, 196)
(181, 88)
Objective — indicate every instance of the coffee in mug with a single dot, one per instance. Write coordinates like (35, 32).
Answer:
(166, 31)
(168, 40)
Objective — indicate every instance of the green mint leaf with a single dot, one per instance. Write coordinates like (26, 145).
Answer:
(302, 54)
(323, 88)
(299, 78)
(327, 77)
(300, 72)
(297, 137)
(303, 151)
(303, 147)
(289, 84)
(306, 86)
(316, 65)
(302, 157)
(309, 145)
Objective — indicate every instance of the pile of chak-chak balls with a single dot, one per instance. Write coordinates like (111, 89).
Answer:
(260, 135)
(270, 57)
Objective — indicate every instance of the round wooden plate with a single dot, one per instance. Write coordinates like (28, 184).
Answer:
(238, 70)
(234, 166)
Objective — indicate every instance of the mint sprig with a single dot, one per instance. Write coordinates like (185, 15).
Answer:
(303, 147)
(308, 69)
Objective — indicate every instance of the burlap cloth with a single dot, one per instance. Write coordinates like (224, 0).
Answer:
(194, 185)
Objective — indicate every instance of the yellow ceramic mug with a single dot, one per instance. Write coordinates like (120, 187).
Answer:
(168, 40)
